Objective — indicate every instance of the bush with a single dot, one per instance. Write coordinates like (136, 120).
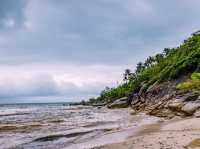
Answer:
(191, 84)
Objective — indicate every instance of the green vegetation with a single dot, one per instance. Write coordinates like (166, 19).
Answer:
(191, 84)
(165, 66)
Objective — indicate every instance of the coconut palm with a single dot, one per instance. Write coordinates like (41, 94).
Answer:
(149, 61)
(127, 74)
(159, 58)
(140, 66)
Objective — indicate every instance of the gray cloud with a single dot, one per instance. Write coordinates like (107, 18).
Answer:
(96, 31)
(36, 86)
(105, 32)
(11, 13)
(44, 85)
(69, 82)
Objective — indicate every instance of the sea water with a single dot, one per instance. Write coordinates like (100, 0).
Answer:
(57, 126)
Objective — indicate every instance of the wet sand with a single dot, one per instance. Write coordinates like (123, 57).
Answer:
(175, 134)
(118, 134)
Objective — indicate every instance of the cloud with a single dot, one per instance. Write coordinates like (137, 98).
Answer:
(11, 13)
(82, 46)
(138, 8)
(35, 86)
(84, 32)
(69, 82)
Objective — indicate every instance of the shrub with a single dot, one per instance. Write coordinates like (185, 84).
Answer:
(191, 84)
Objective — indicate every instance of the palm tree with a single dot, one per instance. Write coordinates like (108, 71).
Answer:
(167, 51)
(149, 61)
(140, 66)
(127, 74)
(133, 76)
(159, 58)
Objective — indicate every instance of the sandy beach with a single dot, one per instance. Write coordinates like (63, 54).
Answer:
(174, 134)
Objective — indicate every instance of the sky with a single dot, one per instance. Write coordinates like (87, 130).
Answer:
(69, 50)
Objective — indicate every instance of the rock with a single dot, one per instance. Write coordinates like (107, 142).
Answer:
(119, 103)
(134, 101)
(142, 99)
(142, 89)
(99, 104)
(190, 108)
(180, 114)
(197, 114)
(152, 87)
(162, 113)
(133, 112)
(191, 96)
(176, 105)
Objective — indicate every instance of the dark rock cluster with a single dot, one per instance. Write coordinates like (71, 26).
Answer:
(162, 100)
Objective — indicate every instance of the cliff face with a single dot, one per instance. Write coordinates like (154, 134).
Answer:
(164, 100)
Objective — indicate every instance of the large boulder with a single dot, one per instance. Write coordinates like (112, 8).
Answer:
(99, 104)
(119, 103)
(176, 105)
(190, 107)
(133, 112)
(190, 96)
(197, 114)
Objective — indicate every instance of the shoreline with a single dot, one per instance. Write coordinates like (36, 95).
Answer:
(172, 134)
(130, 127)
(99, 129)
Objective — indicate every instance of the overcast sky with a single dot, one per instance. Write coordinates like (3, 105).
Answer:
(68, 50)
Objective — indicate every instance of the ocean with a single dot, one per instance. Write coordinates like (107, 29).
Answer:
(60, 126)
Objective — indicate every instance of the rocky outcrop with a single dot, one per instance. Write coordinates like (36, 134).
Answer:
(119, 103)
(175, 105)
(164, 100)
(189, 96)
(99, 104)
(190, 108)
